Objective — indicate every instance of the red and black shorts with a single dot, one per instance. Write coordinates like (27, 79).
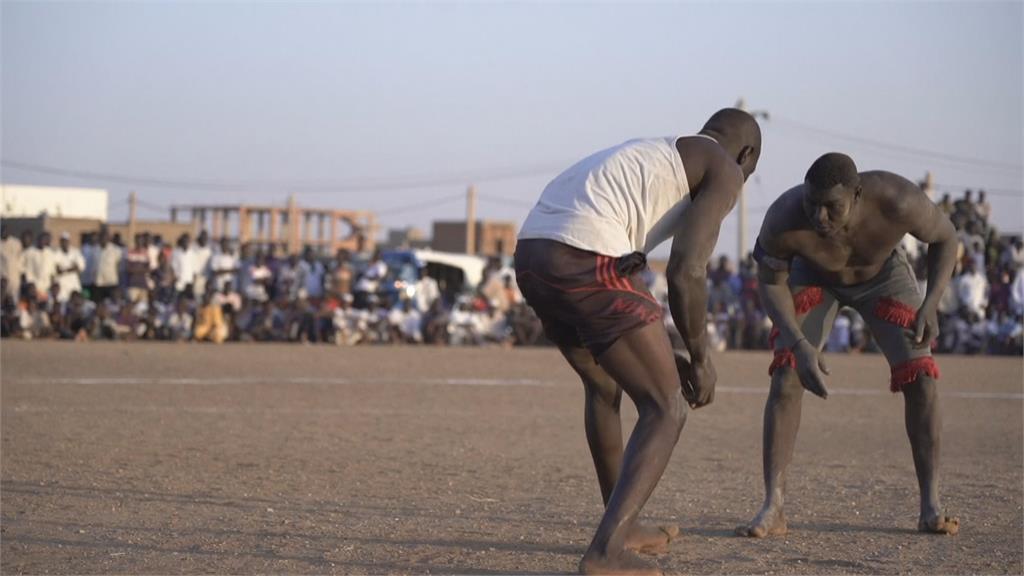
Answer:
(584, 299)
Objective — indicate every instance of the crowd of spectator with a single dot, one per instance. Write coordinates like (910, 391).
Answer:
(195, 291)
(981, 311)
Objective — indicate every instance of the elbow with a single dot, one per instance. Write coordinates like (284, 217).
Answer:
(683, 275)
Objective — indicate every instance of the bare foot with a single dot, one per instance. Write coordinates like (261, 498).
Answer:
(768, 522)
(651, 539)
(626, 563)
(940, 524)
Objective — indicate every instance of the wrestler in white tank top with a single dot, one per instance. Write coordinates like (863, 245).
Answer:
(628, 198)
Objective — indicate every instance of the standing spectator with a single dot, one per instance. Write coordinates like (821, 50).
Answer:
(964, 208)
(342, 274)
(370, 280)
(108, 263)
(839, 338)
(287, 279)
(983, 208)
(1017, 294)
(724, 274)
(10, 261)
(183, 262)
(137, 272)
(1013, 255)
(40, 265)
(152, 250)
(310, 275)
(202, 253)
(224, 266)
(946, 205)
(90, 252)
(70, 264)
(163, 279)
(974, 244)
(274, 262)
(972, 291)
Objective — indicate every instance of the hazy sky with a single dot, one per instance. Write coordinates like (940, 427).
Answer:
(397, 108)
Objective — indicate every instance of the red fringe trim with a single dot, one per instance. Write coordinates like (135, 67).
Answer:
(782, 358)
(808, 298)
(908, 372)
(895, 312)
(803, 302)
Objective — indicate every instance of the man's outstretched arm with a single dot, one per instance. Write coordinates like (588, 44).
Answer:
(773, 259)
(687, 275)
(928, 223)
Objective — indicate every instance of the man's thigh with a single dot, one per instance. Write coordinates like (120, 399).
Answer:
(889, 305)
(816, 310)
(582, 298)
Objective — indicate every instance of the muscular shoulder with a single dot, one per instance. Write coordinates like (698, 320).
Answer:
(893, 196)
(786, 214)
(706, 162)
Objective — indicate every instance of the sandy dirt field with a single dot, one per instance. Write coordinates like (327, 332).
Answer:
(185, 459)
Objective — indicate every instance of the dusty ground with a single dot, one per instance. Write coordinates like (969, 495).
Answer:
(287, 459)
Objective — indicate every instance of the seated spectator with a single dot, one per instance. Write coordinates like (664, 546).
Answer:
(972, 291)
(435, 323)
(210, 324)
(78, 318)
(177, 324)
(369, 281)
(526, 327)
(406, 323)
(103, 326)
(9, 314)
(34, 322)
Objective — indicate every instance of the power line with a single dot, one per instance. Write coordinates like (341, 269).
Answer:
(506, 201)
(1003, 192)
(899, 148)
(340, 187)
(420, 205)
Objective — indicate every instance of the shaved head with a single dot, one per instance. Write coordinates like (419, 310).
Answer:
(832, 169)
(734, 126)
(739, 134)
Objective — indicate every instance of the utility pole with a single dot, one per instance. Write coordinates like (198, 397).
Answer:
(741, 204)
(471, 220)
(132, 202)
(294, 230)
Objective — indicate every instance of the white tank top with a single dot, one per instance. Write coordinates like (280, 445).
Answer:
(628, 198)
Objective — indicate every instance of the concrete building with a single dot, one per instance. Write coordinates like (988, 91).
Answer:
(19, 201)
(290, 227)
(406, 238)
(491, 238)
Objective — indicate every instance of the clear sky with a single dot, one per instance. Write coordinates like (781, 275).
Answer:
(398, 107)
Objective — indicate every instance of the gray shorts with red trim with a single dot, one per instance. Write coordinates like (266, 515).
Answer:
(584, 299)
(888, 303)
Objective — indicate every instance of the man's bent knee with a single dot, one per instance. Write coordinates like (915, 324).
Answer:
(671, 407)
(785, 386)
(603, 391)
(924, 390)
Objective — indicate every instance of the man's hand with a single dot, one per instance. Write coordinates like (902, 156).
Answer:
(697, 380)
(810, 367)
(926, 327)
